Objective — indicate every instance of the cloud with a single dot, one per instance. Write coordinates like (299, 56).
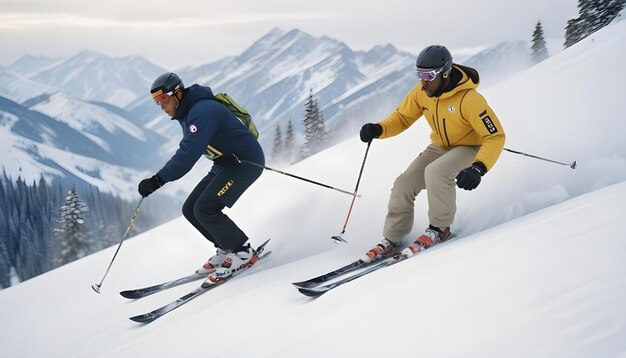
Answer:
(39, 20)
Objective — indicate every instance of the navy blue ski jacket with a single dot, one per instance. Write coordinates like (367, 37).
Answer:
(211, 129)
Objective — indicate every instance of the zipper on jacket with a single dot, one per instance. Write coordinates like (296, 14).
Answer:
(436, 121)
(445, 132)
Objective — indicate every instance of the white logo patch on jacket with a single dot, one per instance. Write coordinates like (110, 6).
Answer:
(193, 128)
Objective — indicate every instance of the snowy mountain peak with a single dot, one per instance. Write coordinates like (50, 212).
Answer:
(382, 50)
(29, 65)
(93, 76)
(275, 74)
(271, 36)
(107, 97)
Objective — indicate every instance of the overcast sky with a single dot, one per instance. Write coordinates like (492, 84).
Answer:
(190, 32)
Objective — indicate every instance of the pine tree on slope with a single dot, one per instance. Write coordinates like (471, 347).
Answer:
(539, 50)
(73, 243)
(289, 144)
(277, 149)
(314, 127)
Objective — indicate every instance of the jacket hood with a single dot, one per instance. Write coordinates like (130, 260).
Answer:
(463, 78)
(192, 95)
(471, 73)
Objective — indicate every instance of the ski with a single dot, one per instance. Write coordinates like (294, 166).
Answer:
(316, 291)
(146, 291)
(319, 290)
(315, 281)
(161, 311)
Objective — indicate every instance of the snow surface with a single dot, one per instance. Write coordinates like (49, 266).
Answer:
(537, 270)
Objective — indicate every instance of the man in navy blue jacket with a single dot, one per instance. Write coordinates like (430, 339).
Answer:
(210, 129)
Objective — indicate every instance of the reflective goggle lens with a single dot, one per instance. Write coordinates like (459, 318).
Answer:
(162, 98)
(428, 75)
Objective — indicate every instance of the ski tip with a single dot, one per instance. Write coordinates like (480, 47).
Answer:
(310, 293)
(261, 247)
(305, 284)
(299, 284)
(206, 285)
(144, 318)
(131, 294)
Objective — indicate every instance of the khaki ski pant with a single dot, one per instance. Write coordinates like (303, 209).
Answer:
(435, 170)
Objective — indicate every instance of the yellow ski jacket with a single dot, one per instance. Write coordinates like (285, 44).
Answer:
(460, 116)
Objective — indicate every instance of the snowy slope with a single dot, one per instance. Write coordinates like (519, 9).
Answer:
(536, 272)
(518, 290)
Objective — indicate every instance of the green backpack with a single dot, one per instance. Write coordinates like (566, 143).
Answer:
(239, 111)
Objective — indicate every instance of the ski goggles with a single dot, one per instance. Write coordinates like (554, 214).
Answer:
(160, 97)
(428, 75)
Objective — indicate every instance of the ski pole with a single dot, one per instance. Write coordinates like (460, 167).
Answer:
(571, 165)
(96, 287)
(295, 176)
(338, 238)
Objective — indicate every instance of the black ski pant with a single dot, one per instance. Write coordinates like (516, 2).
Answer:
(220, 188)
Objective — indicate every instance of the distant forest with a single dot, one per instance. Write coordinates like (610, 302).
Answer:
(34, 237)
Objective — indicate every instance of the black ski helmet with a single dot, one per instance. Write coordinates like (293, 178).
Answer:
(434, 57)
(167, 82)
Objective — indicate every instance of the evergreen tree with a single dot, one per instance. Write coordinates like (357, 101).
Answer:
(39, 233)
(575, 29)
(608, 11)
(314, 127)
(277, 150)
(24, 263)
(31, 231)
(539, 50)
(321, 125)
(289, 144)
(9, 223)
(73, 243)
(105, 218)
(5, 263)
(593, 15)
(573, 32)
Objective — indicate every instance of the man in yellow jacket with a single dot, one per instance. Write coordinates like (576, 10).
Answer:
(467, 139)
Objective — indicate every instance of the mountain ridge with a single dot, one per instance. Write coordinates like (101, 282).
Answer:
(106, 97)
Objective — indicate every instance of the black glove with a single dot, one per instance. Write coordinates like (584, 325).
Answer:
(469, 178)
(150, 185)
(370, 131)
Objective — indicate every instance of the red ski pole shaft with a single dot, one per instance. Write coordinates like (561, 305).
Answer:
(356, 189)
